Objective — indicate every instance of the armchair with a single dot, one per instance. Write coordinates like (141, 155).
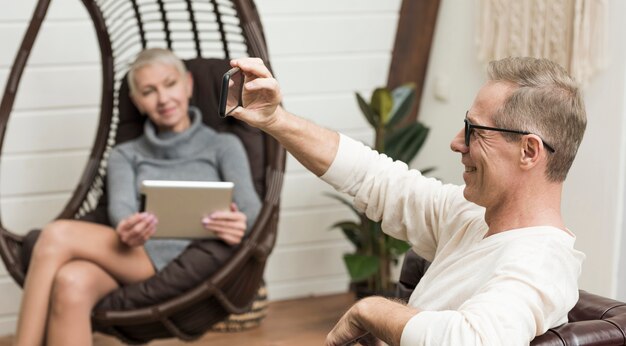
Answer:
(594, 320)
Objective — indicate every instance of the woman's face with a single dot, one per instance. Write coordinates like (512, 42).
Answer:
(163, 93)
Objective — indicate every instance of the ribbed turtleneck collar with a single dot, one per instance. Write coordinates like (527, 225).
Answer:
(170, 143)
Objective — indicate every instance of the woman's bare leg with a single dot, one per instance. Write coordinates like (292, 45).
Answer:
(63, 241)
(77, 287)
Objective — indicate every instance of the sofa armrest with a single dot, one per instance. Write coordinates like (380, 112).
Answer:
(595, 320)
(595, 307)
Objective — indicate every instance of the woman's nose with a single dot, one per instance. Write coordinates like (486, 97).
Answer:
(458, 143)
(162, 95)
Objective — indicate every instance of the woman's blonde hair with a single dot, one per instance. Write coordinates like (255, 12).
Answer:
(153, 56)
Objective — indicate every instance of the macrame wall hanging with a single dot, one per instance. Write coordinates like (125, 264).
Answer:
(572, 33)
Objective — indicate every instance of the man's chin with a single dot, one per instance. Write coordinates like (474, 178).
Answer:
(467, 193)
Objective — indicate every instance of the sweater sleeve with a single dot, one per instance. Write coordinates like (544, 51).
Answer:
(121, 187)
(412, 207)
(531, 291)
(233, 166)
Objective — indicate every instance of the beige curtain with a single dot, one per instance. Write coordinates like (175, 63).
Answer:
(572, 33)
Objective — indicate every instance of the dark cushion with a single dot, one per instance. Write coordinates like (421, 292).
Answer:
(413, 268)
(201, 259)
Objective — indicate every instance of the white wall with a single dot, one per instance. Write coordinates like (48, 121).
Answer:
(593, 198)
(322, 52)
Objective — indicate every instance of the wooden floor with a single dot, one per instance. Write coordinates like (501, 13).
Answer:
(303, 322)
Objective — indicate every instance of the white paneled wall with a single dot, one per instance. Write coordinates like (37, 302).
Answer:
(322, 52)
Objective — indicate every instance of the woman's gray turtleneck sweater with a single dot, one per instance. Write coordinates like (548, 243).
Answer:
(199, 153)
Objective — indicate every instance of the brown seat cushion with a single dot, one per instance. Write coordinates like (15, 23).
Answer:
(192, 267)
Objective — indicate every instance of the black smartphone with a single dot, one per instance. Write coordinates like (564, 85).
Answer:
(232, 90)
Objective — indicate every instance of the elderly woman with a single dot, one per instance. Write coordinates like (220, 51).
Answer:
(75, 263)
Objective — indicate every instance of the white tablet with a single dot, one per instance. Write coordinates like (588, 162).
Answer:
(181, 205)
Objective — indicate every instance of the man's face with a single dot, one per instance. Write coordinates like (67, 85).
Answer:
(489, 161)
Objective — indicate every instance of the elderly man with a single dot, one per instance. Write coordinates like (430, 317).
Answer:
(504, 268)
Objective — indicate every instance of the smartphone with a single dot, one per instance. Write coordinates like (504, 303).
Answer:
(232, 90)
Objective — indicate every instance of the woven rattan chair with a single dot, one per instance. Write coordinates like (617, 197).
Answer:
(195, 30)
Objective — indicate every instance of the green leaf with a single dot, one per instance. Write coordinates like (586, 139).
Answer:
(410, 151)
(403, 100)
(369, 113)
(395, 137)
(396, 246)
(376, 229)
(352, 231)
(382, 102)
(361, 267)
(406, 142)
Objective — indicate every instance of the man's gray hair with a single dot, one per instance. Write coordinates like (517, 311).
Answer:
(545, 101)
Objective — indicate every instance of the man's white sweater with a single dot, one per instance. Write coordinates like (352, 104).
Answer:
(501, 290)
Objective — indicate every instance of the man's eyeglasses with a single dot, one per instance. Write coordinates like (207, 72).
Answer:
(469, 127)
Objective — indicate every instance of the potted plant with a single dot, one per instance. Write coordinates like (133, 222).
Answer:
(375, 252)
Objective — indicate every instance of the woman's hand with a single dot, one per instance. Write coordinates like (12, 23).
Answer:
(261, 94)
(136, 229)
(230, 226)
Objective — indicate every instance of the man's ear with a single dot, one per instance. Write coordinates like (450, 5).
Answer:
(189, 84)
(530, 151)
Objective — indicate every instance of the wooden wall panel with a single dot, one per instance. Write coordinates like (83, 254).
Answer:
(29, 212)
(53, 45)
(57, 87)
(312, 225)
(269, 8)
(331, 34)
(305, 75)
(60, 10)
(59, 129)
(306, 262)
(8, 287)
(41, 173)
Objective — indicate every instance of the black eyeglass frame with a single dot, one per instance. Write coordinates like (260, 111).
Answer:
(469, 126)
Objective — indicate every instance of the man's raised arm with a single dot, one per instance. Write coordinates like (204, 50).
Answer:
(314, 146)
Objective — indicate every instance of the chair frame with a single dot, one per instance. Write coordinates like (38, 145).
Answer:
(223, 289)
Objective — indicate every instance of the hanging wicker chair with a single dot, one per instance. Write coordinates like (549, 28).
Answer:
(210, 32)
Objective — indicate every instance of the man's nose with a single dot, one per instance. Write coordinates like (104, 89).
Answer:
(458, 143)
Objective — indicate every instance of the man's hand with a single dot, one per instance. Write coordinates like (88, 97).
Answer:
(314, 146)
(384, 319)
(261, 94)
(230, 226)
(347, 330)
(136, 229)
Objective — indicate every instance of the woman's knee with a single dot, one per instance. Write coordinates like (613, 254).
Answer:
(55, 239)
(76, 286)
